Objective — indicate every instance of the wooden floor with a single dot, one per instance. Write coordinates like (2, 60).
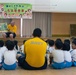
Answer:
(48, 71)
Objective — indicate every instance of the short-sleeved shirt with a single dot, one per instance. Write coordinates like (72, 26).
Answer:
(58, 56)
(10, 57)
(12, 28)
(67, 56)
(73, 54)
(35, 50)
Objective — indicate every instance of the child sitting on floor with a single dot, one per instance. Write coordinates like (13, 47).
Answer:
(49, 50)
(58, 56)
(67, 55)
(9, 56)
(73, 52)
(2, 50)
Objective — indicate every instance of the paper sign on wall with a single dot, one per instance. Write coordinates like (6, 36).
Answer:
(15, 10)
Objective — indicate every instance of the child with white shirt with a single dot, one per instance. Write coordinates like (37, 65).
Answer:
(67, 55)
(9, 56)
(2, 50)
(51, 45)
(58, 56)
(49, 50)
(71, 40)
(73, 52)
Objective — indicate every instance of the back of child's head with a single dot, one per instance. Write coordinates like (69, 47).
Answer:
(58, 39)
(66, 46)
(74, 42)
(9, 44)
(51, 42)
(67, 41)
(24, 41)
(1, 43)
(58, 44)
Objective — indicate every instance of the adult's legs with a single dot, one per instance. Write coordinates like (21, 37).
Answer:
(22, 63)
(12, 36)
(4, 35)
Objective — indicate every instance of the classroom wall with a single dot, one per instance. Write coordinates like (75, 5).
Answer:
(48, 5)
(60, 23)
(17, 22)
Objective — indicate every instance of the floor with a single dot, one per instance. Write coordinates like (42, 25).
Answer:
(48, 71)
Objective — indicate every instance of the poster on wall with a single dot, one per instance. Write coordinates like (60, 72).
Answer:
(3, 27)
(15, 10)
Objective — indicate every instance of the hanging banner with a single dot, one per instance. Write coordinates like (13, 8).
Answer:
(15, 10)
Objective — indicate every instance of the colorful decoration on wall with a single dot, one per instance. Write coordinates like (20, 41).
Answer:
(15, 10)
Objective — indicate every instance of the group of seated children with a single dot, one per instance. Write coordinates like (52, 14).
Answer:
(8, 54)
(62, 55)
(58, 53)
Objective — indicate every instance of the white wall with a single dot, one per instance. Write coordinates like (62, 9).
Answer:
(63, 6)
(48, 5)
(16, 1)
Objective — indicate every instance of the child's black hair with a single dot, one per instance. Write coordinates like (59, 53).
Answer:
(66, 46)
(9, 44)
(67, 40)
(51, 42)
(58, 44)
(1, 43)
(58, 39)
